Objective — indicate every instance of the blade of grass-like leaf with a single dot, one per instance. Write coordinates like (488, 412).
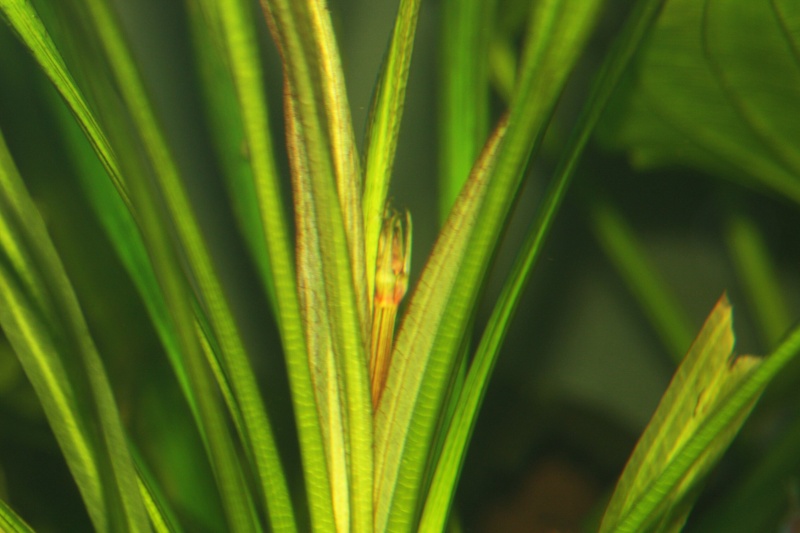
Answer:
(425, 356)
(156, 230)
(383, 129)
(448, 466)
(304, 33)
(693, 425)
(450, 247)
(258, 436)
(162, 517)
(41, 317)
(223, 109)
(464, 95)
(237, 501)
(326, 374)
(22, 17)
(331, 202)
(242, 56)
(665, 313)
(10, 522)
(125, 237)
(755, 269)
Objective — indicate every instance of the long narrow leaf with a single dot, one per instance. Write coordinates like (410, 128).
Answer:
(237, 502)
(424, 357)
(41, 317)
(258, 436)
(22, 17)
(329, 206)
(460, 429)
(384, 129)
(326, 373)
(464, 94)
(10, 522)
(124, 235)
(236, 498)
(237, 154)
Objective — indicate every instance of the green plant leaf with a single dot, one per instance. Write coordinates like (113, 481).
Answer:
(10, 522)
(704, 96)
(124, 235)
(237, 502)
(460, 427)
(396, 403)
(258, 437)
(238, 151)
(41, 317)
(467, 26)
(22, 17)
(441, 305)
(331, 267)
(383, 129)
(162, 517)
(690, 430)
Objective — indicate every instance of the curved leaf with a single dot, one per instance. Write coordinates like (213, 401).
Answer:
(704, 96)
(21, 15)
(258, 432)
(41, 317)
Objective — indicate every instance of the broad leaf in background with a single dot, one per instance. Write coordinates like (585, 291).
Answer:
(703, 95)
(656, 489)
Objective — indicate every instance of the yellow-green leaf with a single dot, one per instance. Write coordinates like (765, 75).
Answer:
(384, 129)
(669, 460)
